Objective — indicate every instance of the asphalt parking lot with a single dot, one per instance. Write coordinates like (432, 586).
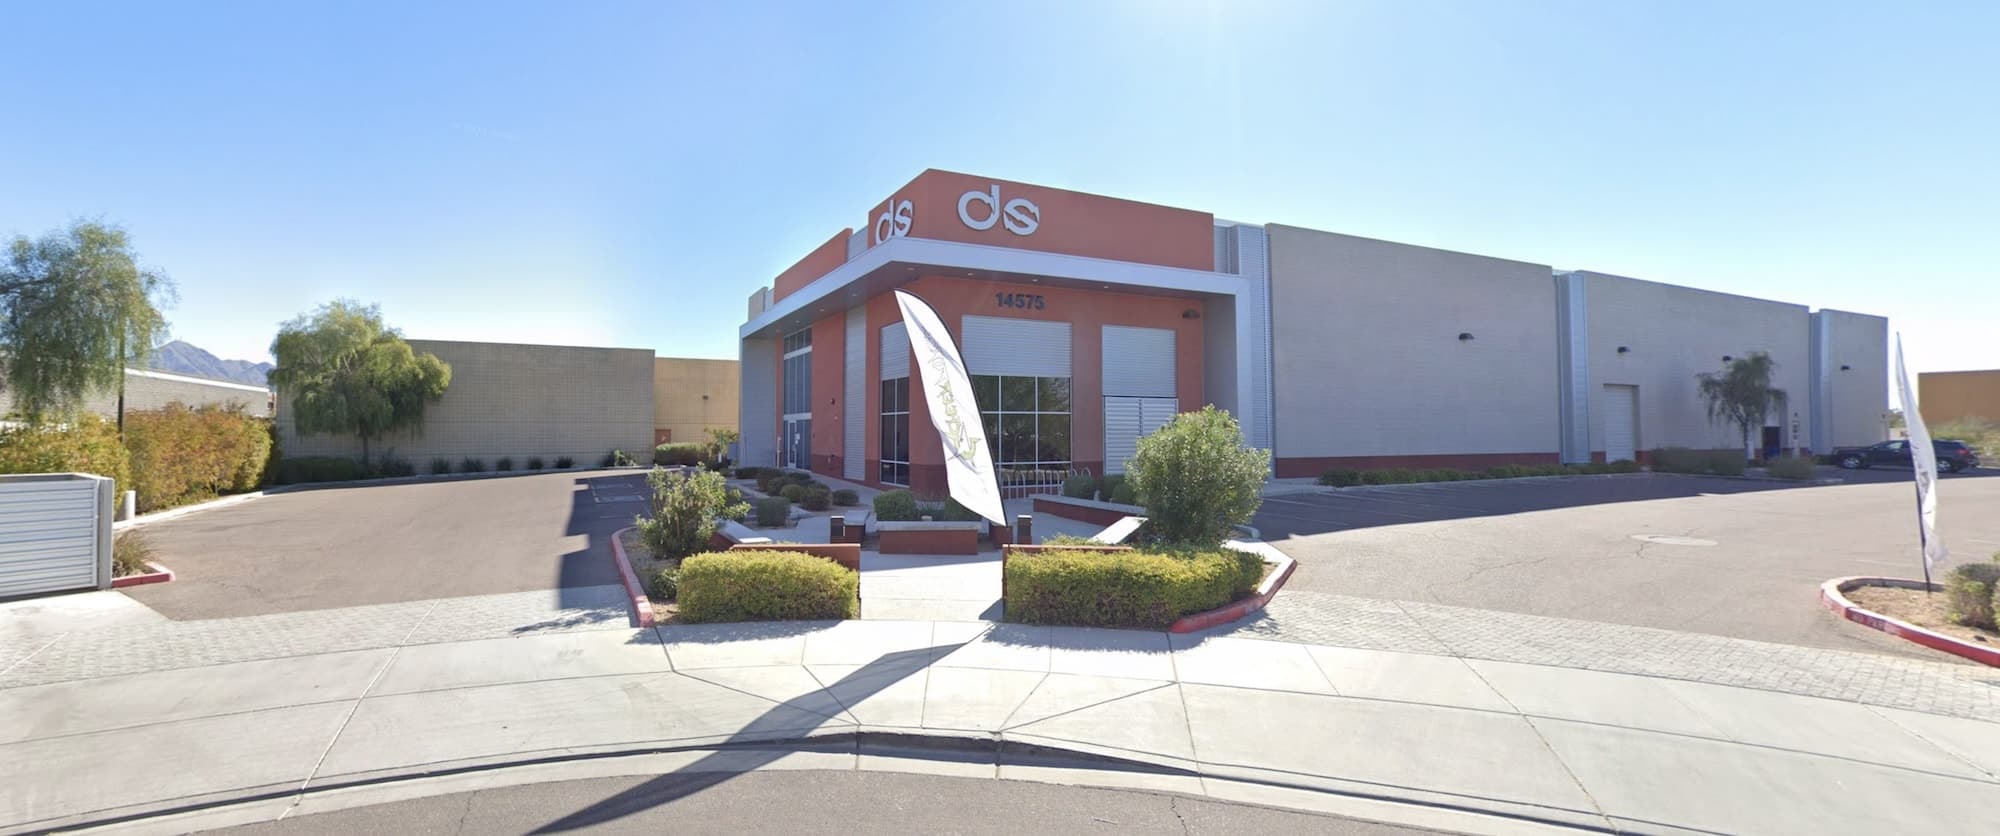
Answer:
(377, 544)
(1729, 557)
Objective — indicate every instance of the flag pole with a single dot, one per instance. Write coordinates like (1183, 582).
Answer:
(1923, 541)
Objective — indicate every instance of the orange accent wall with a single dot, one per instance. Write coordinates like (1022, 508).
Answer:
(817, 263)
(1073, 223)
(828, 394)
(1087, 311)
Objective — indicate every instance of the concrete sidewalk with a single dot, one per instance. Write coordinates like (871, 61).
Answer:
(1416, 738)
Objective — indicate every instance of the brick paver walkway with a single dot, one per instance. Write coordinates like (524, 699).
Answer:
(1960, 690)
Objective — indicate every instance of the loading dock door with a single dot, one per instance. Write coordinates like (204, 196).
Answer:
(1139, 392)
(1621, 420)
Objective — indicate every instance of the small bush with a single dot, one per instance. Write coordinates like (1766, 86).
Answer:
(766, 586)
(1796, 469)
(798, 477)
(534, 462)
(846, 498)
(1340, 478)
(1970, 589)
(472, 465)
(1197, 479)
(1110, 485)
(616, 458)
(665, 584)
(895, 506)
(1125, 589)
(130, 552)
(773, 511)
(1707, 462)
(1080, 486)
(684, 511)
(387, 465)
(793, 492)
(301, 469)
(675, 455)
(440, 465)
(504, 464)
(1624, 466)
(769, 480)
(564, 462)
(816, 499)
(749, 472)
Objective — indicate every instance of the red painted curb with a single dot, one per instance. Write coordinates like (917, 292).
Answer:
(1829, 594)
(642, 606)
(1231, 612)
(160, 574)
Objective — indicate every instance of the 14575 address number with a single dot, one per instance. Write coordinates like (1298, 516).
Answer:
(1020, 301)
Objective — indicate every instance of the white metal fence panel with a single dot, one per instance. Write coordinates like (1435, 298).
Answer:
(853, 415)
(1015, 347)
(1126, 420)
(55, 533)
(1139, 362)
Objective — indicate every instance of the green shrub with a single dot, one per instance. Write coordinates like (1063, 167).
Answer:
(749, 472)
(1796, 469)
(1624, 466)
(798, 477)
(89, 444)
(768, 481)
(945, 510)
(1708, 462)
(181, 454)
(534, 462)
(387, 465)
(672, 455)
(440, 465)
(130, 552)
(773, 511)
(303, 469)
(1109, 486)
(816, 499)
(1970, 589)
(793, 492)
(616, 458)
(766, 586)
(472, 465)
(684, 511)
(564, 462)
(1196, 479)
(895, 506)
(665, 584)
(1125, 589)
(1080, 486)
(846, 498)
(1340, 478)
(504, 464)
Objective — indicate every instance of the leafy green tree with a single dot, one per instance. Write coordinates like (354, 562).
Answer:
(1197, 480)
(719, 439)
(686, 510)
(346, 373)
(74, 307)
(1741, 395)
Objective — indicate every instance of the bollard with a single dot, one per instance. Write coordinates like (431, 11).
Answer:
(1024, 529)
(836, 529)
(128, 505)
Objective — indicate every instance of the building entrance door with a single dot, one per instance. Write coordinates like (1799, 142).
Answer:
(797, 446)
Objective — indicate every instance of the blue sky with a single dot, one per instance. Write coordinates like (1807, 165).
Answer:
(627, 174)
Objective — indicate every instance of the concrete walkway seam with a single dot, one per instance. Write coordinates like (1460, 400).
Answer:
(1830, 595)
(642, 606)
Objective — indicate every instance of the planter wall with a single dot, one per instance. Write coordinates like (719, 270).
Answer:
(1086, 510)
(928, 537)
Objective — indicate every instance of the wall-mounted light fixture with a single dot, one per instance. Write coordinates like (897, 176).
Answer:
(1845, 367)
(1726, 358)
(1190, 313)
(1465, 336)
(1624, 349)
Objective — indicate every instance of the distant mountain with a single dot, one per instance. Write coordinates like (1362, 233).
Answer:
(181, 358)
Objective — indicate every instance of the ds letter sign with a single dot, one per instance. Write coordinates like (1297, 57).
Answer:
(1022, 216)
(894, 222)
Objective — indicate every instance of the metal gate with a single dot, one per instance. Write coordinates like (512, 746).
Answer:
(1621, 423)
(55, 532)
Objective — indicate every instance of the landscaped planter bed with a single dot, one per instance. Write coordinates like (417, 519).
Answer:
(1114, 586)
(1902, 608)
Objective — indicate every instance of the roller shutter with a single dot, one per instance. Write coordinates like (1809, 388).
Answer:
(1015, 347)
(895, 351)
(1139, 362)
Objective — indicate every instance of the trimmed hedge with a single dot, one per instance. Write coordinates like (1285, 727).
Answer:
(672, 455)
(846, 498)
(1343, 478)
(793, 492)
(181, 454)
(773, 511)
(766, 586)
(1125, 589)
(89, 444)
(1707, 462)
(816, 498)
(1080, 486)
(896, 506)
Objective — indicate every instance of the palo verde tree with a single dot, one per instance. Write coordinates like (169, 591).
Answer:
(1741, 395)
(346, 373)
(74, 307)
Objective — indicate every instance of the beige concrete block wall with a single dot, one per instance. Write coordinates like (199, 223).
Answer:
(1858, 397)
(1675, 333)
(692, 395)
(518, 401)
(1367, 359)
(1950, 396)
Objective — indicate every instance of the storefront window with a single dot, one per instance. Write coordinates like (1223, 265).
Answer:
(1027, 426)
(895, 440)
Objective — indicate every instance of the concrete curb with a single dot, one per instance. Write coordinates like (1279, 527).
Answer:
(1231, 612)
(160, 574)
(184, 510)
(445, 477)
(642, 606)
(1830, 595)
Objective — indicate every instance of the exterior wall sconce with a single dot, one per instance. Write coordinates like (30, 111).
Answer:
(1624, 349)
(1190, 313)
(1465, 336)
(1845, 367)
(1726, 358)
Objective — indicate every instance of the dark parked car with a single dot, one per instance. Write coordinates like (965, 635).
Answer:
(1952, 456)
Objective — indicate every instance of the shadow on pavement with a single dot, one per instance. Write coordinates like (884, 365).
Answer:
(1345, 509)
(599, 507)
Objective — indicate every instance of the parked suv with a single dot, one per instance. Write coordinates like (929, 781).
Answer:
(1952, 456)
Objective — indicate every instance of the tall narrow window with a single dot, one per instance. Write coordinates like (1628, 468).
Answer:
(895, 441)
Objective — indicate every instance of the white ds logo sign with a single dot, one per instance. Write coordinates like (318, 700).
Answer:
(894, 222)
(1021, 215)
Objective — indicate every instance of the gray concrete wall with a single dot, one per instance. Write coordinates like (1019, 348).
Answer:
(1857, 396)
(1674, 333)
(1367, 359)
(518, 401)
(147, 389)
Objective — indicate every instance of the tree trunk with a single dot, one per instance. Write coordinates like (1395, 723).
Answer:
(364, 453)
